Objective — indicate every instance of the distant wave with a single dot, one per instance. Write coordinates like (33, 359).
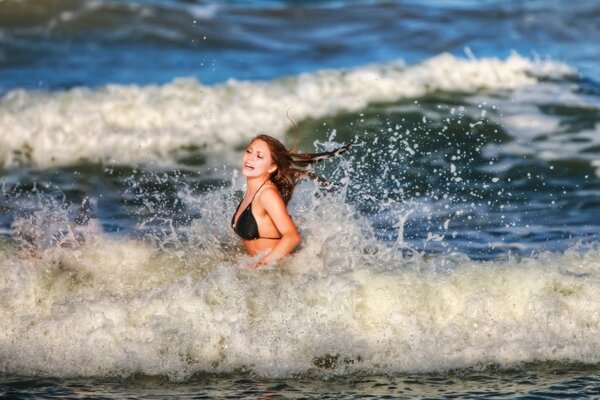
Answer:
(132, 124)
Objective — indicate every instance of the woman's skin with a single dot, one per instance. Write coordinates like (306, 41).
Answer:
(268, 207)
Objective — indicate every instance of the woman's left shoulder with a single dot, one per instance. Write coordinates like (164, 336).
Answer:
(269, 193)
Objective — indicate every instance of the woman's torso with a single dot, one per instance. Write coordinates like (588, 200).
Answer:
(252, 223)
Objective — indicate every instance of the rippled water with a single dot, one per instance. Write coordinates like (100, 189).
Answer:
(532, 381)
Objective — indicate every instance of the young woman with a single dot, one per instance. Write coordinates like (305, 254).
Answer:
(261, 219)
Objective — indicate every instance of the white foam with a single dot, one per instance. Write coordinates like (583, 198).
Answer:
(596, 164)
(343, 303)
(530, 124)
(527, 116)
(124, 308)
(204, 12)
(128, 124)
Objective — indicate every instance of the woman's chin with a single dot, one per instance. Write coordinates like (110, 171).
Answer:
(251, 173)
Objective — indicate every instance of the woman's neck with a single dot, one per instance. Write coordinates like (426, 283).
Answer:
(254, 183)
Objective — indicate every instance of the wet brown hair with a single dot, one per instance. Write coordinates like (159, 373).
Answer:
(291, 167)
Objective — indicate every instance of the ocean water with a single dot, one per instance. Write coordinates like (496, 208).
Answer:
(455, 254)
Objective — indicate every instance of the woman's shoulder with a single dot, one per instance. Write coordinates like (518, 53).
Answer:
(268, 193)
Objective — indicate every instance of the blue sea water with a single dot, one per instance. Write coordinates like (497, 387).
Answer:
(455, 256)
(58, 45)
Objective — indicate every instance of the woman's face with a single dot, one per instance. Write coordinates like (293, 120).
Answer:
(257, 160)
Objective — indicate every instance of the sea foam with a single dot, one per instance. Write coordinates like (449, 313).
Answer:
(343, 303)
(133, 124)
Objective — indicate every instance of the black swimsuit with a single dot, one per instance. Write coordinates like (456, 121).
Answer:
(246, 226)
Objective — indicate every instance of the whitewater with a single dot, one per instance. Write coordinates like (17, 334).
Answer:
(88, 304)
(119, 124)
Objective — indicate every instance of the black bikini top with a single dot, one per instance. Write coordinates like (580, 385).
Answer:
(246, 226)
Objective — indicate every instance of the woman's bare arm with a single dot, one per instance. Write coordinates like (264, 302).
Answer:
(273, 204)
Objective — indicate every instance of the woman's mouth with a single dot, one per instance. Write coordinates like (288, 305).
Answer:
(246, 165)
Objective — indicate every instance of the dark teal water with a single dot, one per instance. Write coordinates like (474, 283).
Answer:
(531, 382)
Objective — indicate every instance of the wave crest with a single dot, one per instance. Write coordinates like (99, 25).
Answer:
(133, 124)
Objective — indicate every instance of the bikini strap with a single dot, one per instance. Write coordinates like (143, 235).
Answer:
(249, 205)
(257, 190)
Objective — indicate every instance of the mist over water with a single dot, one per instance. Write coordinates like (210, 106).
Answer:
(458, 239)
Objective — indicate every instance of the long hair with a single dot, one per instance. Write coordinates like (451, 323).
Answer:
(291, 167)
